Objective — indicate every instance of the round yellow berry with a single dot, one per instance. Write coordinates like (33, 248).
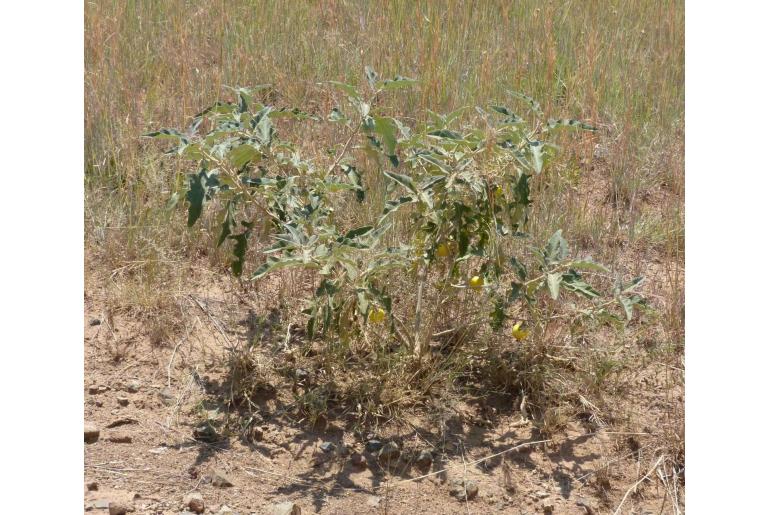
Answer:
(499, 191)
(476, 282)
(519, 333)
(376, 315)
(443, 250)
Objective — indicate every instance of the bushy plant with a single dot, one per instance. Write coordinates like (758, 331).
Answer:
(452, 216)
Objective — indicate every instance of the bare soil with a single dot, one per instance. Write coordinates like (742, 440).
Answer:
(151, 459)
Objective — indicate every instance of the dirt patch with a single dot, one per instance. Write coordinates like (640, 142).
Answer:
(164, 433)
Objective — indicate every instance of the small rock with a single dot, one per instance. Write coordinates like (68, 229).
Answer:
(119, 508)
(286, 508)
(92, 486)
(464, 490)
(424, 459)
(95, 389)
(194, 501)
(159, 450)
(541, 494)
(90, 432)
(373, 501)
(94, 321)
(390, 451)
(358, 461)
(327, 447)
(122, 422)
(120, 438)
(548, 505)
(98, 504)
(438, 479)
(205, 433)
(98, 404)
(133, 386)
(167, 396)
(123, 401)
(257, 434)
(226, 510)
(373, 445)
(220, 479)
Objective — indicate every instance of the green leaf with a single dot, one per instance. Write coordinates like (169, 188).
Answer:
(515, 292)
(199, 186)
(534, 105)
(518, 268)
(536, 151)
(628, 307)
(387, 130)
(171, 134)
(556, 249)
(336, 116)
(445, 134)
(360, 231)
(393, 205)
(371, 77)
(554, 280)
(572, 281)
(347, 88)
(354, 177)
(569, 123)
(227, 223)
(244, 154)
(510, 116)
(239, 250)
(273, 264)
(588, 265)
(398, 82)
(403, 180)
(265, 127)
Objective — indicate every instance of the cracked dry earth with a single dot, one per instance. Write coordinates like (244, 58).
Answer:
(150, 453)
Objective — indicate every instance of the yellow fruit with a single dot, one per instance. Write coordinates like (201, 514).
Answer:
(376, 315)
(476, 282)
(499, 191)
(442, 250)
(519, 333)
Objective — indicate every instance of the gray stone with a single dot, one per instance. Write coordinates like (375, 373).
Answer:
(119, 508)
(167, 396)
(220, 479)
(464, 490)
(90, 432)
(373, 445)
(373, 501)
(286, 508)
(94, 321)
(424, 459)
(120, 438)
(358, 461)
(205, 433)
(226, 510)
(123, 401)
(194, 502)
(389, 451)
(327, 447)
(98, 504)
(133, 386)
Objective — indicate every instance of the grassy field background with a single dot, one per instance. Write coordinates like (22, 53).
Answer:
(618, 194)
(151, 64)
